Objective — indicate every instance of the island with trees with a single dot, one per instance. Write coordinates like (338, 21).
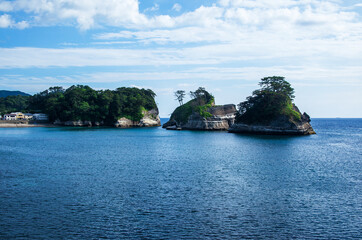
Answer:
(81, 105)
(200, 113)
(270, 110)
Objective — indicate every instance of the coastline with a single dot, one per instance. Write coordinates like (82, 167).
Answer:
(25, 125)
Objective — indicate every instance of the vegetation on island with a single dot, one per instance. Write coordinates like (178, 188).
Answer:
(14, 103)
(273, 100)
(201, 101)
(180, 95)
(81, 102)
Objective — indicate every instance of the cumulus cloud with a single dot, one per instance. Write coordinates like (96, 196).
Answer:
(231, 30)
(86, 13)
(240, 14)
(6, 21)
(234, 20)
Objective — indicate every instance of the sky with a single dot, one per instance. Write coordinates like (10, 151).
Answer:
(226, 46)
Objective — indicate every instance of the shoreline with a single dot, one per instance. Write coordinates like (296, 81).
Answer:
(50, 125)
(25, 125)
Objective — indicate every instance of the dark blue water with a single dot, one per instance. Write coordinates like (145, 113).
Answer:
(74, 183)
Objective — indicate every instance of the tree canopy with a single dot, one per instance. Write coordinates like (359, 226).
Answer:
(14, 103)
(80, 102)
(200, 102)
(278, 85)
(201, 96)
(180, 95)
(266, 104)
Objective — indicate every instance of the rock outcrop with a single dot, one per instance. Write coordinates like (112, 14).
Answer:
(222, 117)
(279, 126)
(78, 123)
(149, 119)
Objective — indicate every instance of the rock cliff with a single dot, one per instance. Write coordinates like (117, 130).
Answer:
(149, 119)
(220, 118)
(282, 125)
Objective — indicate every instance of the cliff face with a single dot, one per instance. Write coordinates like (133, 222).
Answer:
(282, 125)
(222, 117)
(149, 119)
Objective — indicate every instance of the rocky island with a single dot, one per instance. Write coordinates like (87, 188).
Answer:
(200, 113)
(83, 106)
(270, 110)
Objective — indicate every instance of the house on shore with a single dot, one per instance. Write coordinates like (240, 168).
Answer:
(9, 117)
(19, 115)
(25, 116)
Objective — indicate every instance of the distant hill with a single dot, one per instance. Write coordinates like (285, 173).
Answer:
(5, 93)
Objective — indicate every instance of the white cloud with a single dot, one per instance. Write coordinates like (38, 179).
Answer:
(82, 57)
(86, 13)
(7, 22)
(253, 47)
(176, 7)
(235, 21)
(22, 25)
(6, 6)
(241, 77)
(261, 3)
(235, 15)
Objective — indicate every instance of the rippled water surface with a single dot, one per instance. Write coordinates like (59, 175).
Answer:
(156, 184)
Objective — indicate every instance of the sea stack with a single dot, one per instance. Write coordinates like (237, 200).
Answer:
(201, 113)
(270, 110)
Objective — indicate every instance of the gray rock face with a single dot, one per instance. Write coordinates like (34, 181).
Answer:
(150, 119)
(280, 126)
(124, 123)
(78, 123)
(222, 118)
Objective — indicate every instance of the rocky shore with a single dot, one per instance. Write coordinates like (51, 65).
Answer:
(280, 126)
(149, 119)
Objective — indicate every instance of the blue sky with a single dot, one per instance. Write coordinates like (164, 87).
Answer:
(226, 46)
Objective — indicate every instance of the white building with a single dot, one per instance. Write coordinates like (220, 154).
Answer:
(10, 116)
(19, 115)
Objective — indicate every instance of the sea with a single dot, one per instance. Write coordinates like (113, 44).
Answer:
(150, 183)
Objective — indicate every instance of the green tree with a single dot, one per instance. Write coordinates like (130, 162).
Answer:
(201, 96)
(274, 99)
(278, 85)
(180, 95)
(15, 103)
(80, 102)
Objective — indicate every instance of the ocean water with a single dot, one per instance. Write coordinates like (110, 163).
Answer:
(92, 183)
